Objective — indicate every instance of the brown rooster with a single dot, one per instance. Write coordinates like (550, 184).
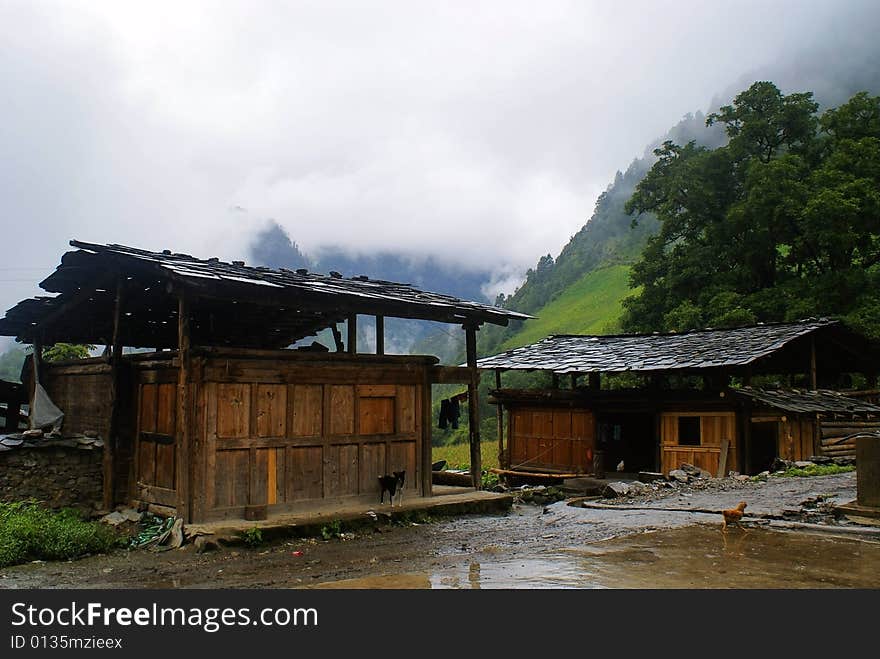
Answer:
(733, 516)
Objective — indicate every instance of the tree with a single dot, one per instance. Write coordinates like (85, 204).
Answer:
(64, 351)
(780, 223)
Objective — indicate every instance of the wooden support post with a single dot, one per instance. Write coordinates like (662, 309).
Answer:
(746, 449)
(380, 335)
(473, 406)
(595, 381)
(427, 427)
(813, 374)
(352, 326)
(182, 443)
(499, 412)
(337, 338)
(110, 442)
(574, 381)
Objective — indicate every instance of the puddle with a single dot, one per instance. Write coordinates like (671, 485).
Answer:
(691, 557)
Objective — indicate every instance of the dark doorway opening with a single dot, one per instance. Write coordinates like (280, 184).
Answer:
(630, 438)
(764, 447)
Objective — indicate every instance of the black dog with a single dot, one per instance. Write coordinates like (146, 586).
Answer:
(393, 485)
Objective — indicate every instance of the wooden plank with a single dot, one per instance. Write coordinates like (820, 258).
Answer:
(402, 457)
(340, 470)
(381, 390)
(240, 473)
(259, 476)
(376, 416)
(165, 464)
(210, 497)
(233, 410)
(270, 409)
(371, 465)
(166, 412)
(722, 462)
(450, 375)
(305, 410)
(305, 473)
(222, 477)
(272, 493)
(341, 410)
(406, 408)
(348, 470)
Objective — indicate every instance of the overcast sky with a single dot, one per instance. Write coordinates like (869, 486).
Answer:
(478, 132)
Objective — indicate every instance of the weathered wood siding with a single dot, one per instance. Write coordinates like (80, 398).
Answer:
(288, 436)
(714, 427)
(553, 439)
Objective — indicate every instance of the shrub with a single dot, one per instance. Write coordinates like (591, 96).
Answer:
(30, 532)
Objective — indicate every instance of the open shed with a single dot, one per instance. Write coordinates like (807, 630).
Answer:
(586, 427)
(220, 417)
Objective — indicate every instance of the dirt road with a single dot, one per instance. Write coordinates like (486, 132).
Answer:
(653, 542)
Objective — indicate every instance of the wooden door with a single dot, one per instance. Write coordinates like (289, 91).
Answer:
(155, 468)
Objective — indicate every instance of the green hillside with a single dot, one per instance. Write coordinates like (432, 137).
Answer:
(591, 305)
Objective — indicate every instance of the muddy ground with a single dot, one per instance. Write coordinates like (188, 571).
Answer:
(656, 541)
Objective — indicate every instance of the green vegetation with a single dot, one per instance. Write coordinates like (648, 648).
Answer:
(591, 305)
(63, 351)
(253, 537)
(781, 223)
(458, 456)
(30, 532)
(816, 470)
(332, 530)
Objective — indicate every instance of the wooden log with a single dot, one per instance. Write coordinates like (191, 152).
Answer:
(850, 424)
(843, 432)
(182, 449)
(115, 385)
(451, 478)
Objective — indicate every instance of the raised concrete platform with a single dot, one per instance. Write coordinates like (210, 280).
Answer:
(446, 500)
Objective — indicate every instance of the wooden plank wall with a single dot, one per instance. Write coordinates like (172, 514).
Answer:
(83, 394)
(284, 437)
(714, 426)
(555, 439)
(833, 430)
(796, 436)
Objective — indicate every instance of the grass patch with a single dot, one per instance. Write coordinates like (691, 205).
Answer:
(458, 456)
(591, 305)
(30, 532)
(816, 470)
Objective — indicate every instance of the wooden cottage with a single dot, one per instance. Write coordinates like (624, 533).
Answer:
(582, 426)
(221, 417)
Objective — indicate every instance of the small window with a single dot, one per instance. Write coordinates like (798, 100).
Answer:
(689, 431)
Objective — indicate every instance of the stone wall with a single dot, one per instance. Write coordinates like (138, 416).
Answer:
(59, 476)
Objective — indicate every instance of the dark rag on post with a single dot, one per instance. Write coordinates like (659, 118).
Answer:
(444, 413)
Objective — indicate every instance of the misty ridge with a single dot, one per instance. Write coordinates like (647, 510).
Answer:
(834, 71)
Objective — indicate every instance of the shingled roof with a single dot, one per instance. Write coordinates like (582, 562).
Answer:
(274, 306)
(737, 348)
(807, 401)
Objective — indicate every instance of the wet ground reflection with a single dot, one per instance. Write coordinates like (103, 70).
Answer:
(690, 557)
